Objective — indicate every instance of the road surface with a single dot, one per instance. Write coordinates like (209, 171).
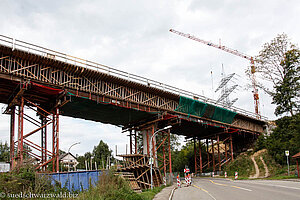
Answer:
(225, 189)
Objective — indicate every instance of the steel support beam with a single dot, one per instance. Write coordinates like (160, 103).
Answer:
(44, 141)
(219, 157)
(208, 165)
(12, 137)
(213, 155)
(55, 142)
(170, 157)
(130, 142)
(200, 155)
(231, 147)
(20, 132)
(195, 155)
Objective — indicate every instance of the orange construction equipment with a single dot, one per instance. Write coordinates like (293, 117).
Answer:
(235, 52)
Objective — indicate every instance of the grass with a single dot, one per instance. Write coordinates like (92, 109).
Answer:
(149, 194)
(112, 187)
(242, 164)
(280, 177)
(109, 187)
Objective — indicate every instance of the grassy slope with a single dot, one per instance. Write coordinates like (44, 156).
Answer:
(245, 167)
(242, 164)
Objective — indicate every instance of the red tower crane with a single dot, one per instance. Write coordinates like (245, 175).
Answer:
(235, 52)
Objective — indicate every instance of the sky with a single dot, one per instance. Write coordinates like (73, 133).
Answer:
(134, 36)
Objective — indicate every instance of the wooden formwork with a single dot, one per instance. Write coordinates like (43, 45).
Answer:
(129, 177)
(138, 165)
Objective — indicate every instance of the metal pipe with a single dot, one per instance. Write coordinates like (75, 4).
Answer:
(12, 137)
(151, 159)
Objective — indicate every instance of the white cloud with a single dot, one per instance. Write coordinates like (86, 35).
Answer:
(133, 36)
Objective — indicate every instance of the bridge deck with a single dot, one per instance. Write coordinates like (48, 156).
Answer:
(100, 93)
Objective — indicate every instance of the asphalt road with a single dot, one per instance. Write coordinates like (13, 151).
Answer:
(225, 189)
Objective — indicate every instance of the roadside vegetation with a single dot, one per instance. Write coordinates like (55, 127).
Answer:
(242, 164)
(110, 187)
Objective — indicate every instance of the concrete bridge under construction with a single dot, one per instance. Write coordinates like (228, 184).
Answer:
(54, 84)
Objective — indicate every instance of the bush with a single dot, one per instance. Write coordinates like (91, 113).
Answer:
(242, 164)
(110, 187)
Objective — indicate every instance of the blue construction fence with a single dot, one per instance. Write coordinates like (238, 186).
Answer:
(75, 181)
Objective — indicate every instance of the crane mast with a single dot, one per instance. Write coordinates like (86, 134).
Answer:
(234, 52)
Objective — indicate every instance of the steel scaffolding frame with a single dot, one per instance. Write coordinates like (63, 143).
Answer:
(44, 156)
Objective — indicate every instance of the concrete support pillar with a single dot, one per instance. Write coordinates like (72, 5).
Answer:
(145, 142)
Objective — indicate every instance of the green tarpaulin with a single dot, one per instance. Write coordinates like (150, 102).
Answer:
(191, 106)
(201, 109)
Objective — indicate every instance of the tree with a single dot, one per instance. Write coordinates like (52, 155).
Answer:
(286, 136)
(278, 64)
(101, 152)
(4, 152)
(287, 90)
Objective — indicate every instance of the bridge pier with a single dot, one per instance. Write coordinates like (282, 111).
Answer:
(161, 144)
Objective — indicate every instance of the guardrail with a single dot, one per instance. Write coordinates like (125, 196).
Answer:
(31, 48)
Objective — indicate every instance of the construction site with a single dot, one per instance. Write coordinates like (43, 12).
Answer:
(53, 84)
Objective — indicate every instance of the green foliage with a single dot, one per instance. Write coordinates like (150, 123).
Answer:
(186, 157)
(287, 90)
(100, 154)
(183, 157)
(273, 167)
(278, 63)
(24, 180)
(242, 164)
(149, 194)
(286, 136)
(261, 143)
(110, 187)
(4, 152)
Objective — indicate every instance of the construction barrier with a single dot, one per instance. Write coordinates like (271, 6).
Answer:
(225, 174)
(213, 174)
(178, 181)
(75, 181)
(236, 175)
